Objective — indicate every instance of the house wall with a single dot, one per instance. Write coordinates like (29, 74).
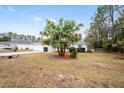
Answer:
(77, 46)
(35, 47)
(85, 46)
(2, 46)
(38, 46)
(50, 48)
(23, 46)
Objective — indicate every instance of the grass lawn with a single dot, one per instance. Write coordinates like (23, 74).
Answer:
(49, 70)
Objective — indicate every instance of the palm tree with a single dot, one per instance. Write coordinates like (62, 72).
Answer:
(60, 35)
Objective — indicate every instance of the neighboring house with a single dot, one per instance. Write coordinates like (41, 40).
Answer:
(3, 46)
(35, 46)
(23, 44)
(2, 34)
(80, 44)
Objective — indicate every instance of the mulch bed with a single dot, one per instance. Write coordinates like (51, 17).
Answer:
(66, 57)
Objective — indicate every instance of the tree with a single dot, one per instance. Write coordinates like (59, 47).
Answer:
(33, 38)
(111, 12)
(119, 38)
(98, 27)
(5, 38)
(38, 39)
(105, 25)
(89, 39)
(60, 35)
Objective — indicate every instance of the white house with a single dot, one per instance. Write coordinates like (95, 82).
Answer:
(2, 46)
(36, 46)
(80, 44)
(25, 44)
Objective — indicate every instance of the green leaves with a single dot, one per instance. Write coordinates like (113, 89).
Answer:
(121, 20)
(45, 41)
(61, 33)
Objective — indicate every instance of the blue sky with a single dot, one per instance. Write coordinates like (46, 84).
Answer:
(31, 19)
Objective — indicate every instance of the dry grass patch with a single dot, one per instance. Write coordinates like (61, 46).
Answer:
(47, 70)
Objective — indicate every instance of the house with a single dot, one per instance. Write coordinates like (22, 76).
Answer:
(25, 44)
(35, 46)
(4, 46)
(2, 34)
(80, 44)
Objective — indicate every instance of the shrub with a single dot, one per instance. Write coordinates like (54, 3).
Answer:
(83, 49)
(27, 48)
(80, 49)
(15, 49)
(89, 51)
(73, 54)
(72, 49)
(45, 49)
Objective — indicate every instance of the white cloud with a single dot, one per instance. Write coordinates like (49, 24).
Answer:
(52, 19)
(37, 19)
(11, 9)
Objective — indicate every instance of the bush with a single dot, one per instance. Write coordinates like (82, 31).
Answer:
(89, 51)
(73, 54)
(122, 50)
(15, 49)
(45, 49)
(80, 49)
(27, 48)
(72, 49)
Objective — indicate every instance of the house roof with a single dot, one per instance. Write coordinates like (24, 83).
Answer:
(20, 41)
(2, 34)
(17, 41)
(79, 43)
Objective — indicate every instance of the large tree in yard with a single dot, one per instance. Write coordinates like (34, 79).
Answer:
(60, 34)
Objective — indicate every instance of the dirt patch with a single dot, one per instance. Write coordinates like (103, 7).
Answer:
(119, 57)
(102, 65)
(64, 80)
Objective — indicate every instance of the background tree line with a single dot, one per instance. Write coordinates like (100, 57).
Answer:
(10, 35)
(107, 29)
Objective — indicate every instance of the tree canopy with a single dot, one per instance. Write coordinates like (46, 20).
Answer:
(11, 35)
(107, 27)
(61, 34)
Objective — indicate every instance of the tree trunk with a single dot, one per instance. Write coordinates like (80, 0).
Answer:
(58, 51)
(111, 10)
(61, 51)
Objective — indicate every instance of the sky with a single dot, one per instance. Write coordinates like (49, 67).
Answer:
(31, 19)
